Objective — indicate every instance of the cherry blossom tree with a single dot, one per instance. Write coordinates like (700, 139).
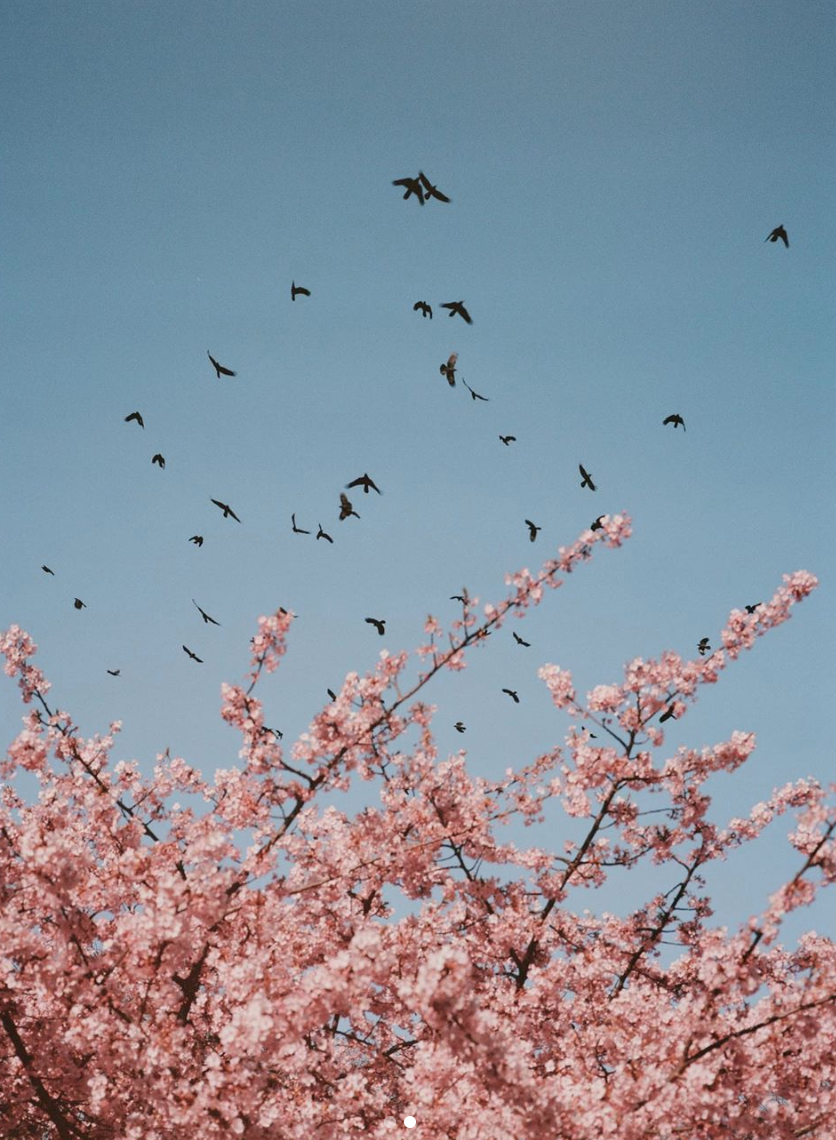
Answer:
(158, 982)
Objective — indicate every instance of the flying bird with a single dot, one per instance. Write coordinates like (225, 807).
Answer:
(365, 482)
(448, 370)
(508, 439)
(297, 529)
(459, 598)
(114, 672)
(160, 462)
(205, 616)
(598, 524)
(346, 508)
(431, 191)
(513, 695)
(412, 185)
(667, 714)
(779, 232)
(197, 539)
(331, 694)
(47, 570)
(676, 420)
(458, 307)
(474, 395)
(321, 533)
(520, 641)
(379, 624)
(751, 609)
(532, 529)
(459, 727)
(193, 656)
(135, 416)
(426, 310)
(703, 646)
(227, 510)
(294, 289)
(586, 478)
(219, 368)
(79, 604)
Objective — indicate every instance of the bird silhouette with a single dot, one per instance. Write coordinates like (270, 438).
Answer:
(676, 420)
(426, 310)
(226, 508)
(197, 539)
(114, 672)
(193, 656)
(598, 524)
(751, 609)
(219, 368)
(205, 616)
(412, 185)
(47, 570)
(378, 623)
(459, 598)
(667, 714)
(135, 416)
(508, 439)
(321, 534)
(520, 641)
(474, 395)
(160, 462)
(365, 482)
(532, 529)
(331, 694)
(79, 604)
(448, 370)
(779, 232)
(297, 529)
(346, 509)
(458, 307)
(294, 289)
(513, 695)
(703, 646)
(431, 191)
(586, 478)
(459, 727)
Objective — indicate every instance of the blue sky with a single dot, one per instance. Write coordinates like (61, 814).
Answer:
(614, 170)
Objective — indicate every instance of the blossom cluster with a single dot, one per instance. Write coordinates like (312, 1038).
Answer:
(157, 981)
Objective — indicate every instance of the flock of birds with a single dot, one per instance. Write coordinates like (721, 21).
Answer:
(424, 191)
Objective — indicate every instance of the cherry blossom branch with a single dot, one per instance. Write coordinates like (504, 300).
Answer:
(734, 1034)
(66, 731)
(65, 1129)
(656, 932)
(812, 860)
(528, 590)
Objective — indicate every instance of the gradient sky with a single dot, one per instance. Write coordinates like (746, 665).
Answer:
(614, 169)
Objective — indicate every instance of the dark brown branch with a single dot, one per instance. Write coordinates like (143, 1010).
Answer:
(66, 1130)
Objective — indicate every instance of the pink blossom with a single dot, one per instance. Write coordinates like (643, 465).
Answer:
(605, 698)
(159, 979)
(559, 684)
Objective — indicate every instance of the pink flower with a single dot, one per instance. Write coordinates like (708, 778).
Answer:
(559, 683)
(231, 967)
(605, 698)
